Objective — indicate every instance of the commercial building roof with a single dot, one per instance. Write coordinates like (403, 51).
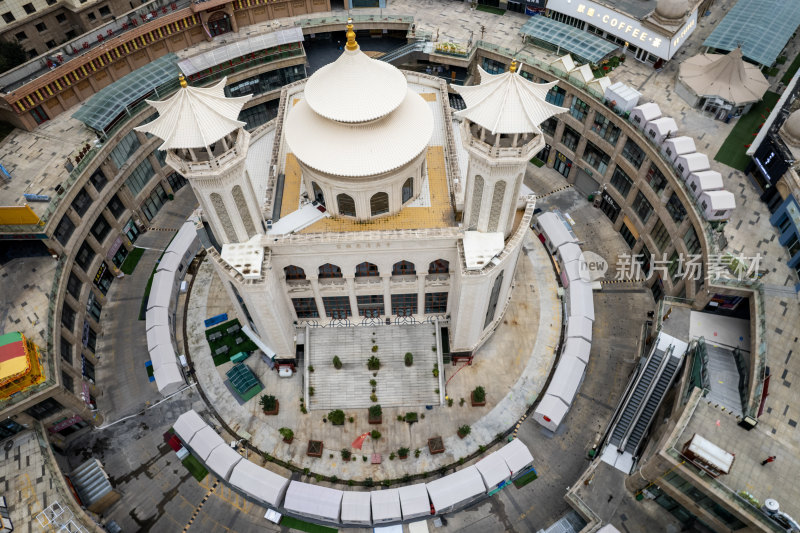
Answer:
(761, 27)
(507, 103)
(587, 46)
(101, 110)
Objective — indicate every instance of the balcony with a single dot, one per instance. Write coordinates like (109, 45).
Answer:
(332, 284)
(368, 281)
(298, 285)
(437, 280)
(405, 280)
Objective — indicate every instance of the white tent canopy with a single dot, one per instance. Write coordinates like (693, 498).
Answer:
(356, 508)
(222, 460)
(168, 379)
(676, 146)
(624, 97)
(163, 356)
(581, 300)
(313, 501)
(555, 230)
(169, 262)
(567, 378)
(705, 180)
(726, 76)
(456, 489)
(517, 456)
(564, 63)
(688, 163)
(156, 316)
(579, 326)
(717, 205)
(573, 272)
(551, 411)
(660, 128)
(260, 483)
(158, 336)
(577, 347)
(204, 442)
(160, 290)
(493, 470)
(414, 501)
(385, 506)
(642, 114)
(188, 424)
(583, 73)
(569, 252)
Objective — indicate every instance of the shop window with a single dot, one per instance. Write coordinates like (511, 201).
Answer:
(605, 129)
(404, 304)
(436, 303)
(621, 182)
(44, 409)
(370, 305)
(100, 228)
(66, 351)
(656, 179)
(305, 307)
(440, 266)
(675, 209)
(493, 67)
(549, 126)
(366, 270)
(91, 343)
(98, 180)
(660, 235)
(294, 273)
(64, 230)
(692, 241)
(38, 113)
(627, 236)
(329, 271)
(67, 317)
(337, 307)
(85, 256)
(176, 181)
(74, 286)
(81, 202)
(596, 157)
(404, 268)
(140, 177)
(570, 138)
(87, 368)
(633, 153)
(579, 109)
(124, 149)
(116, 206)
(94, 308)
(642, 207)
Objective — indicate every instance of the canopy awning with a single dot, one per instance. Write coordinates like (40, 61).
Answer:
(579, 327)
(586, 46)
(356, 508)
(313, 501)
(188, 424)
(260, 483)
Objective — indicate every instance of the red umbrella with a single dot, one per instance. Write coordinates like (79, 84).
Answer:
(360, 441)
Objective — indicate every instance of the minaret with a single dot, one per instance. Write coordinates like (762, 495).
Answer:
(208, 145)
(501, 133)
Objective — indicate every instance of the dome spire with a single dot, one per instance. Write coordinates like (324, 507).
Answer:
(351, 36)
(182, 80)
(513, 67)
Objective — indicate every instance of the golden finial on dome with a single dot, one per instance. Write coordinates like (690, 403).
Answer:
(182, 80)
(351, 37)
(513, 68)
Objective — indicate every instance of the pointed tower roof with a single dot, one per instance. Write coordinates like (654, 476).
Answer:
(355, 88)
(727, 76)
(507, 102)
(195, 116)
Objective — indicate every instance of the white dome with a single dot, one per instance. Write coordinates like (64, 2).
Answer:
(352, 150)
(355, 88)
(791, 128)
(672, 9)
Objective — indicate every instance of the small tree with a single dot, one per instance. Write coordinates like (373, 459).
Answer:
(373, 383)
(375, 434)
(336, 417)
(374, 348)
(375, 411)
(346, 454)
(374, 363)
(409, 359)
(286, 433)
(337, 363)
(268, 403)
(310, 368)
(479, 395)
(373, 397)
(436, 370)
(403, 453)
(464, 430)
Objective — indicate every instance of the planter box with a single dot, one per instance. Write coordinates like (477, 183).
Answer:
(474, 403)
(275, 411)
(460, 436)
(288, 441)
(402, 457)
(378, 420)
(315, 448)
(436, 445)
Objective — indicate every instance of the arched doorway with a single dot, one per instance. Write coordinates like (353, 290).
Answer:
(219, 23)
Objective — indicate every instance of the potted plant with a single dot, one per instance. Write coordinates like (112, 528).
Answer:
(374, 363)
(478, 397)
(269, 404)
(436, 370)
(336, 417)
(409, 359)
(346, 454)
(463, 431)
(375, 414)
(402, 453)
(287, 434)
(411, 417)
(416, 453)
(337, 363)
(375, 434)
(314, 448)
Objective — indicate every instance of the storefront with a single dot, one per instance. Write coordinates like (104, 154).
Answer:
(68, 426)
(608, 206)
(154, 202)
(768, 164)
(103, 278)
(131, 231)
(544, 153)
(117, 253)
(219, 23)
(562, 164)
(628, 231)
(585, 182)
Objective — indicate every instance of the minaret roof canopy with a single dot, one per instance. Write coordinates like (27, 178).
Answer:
(507, 103)
(195, 117)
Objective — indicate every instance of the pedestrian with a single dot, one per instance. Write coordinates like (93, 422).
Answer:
(769, 459)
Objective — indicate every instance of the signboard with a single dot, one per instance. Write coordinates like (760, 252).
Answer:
(64, 424)
(23, 237)
(609, 200)
(89, 301)
(13, 215)
(100, 272)
(625, 27)
(770, 161)
(114, 247)
(36, 197)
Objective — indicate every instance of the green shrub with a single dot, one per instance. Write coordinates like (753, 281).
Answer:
(310, 368)
(303, 409)
(464, 430)
(436, 370)
(403, 452)
(311, 391)
(336, 417)
(346, 454)
(449, 402)
(416, 453)
(479, 395)
(373, 397)
(337, 363)
(373, 363)
(351, 419)
(286, 433)
(364, 458)
(375, 411)
(409, 359)
(375, 434)
(268, 403)
(374, 348)
(392, 456)
(373, 383)
(411, 417)
(368, 482)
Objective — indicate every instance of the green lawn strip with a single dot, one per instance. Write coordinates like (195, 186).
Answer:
(732, 151)
(538, 162)
(294, 523)
(791, 70)
(229, 340)
(129, 265)
(524, 480)
(194, 467)
(490, 9)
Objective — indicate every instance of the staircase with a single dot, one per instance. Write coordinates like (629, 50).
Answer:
(399, 53)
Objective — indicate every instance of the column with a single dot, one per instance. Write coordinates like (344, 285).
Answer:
(386, 283)
(420, 293)
(351, 293)
(317, 297)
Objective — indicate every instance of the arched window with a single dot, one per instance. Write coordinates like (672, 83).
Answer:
(404, 268)
(318, 196)
(222, 214)
(408, 189)
(294, 272)
(244, 212)
(329, 271)
(475, 208)
(366, 269)
(440, 266)
(379, 203)
(498, 196)
(347, 206)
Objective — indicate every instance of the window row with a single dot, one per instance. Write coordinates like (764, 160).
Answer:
(370, 305)
(366, 269)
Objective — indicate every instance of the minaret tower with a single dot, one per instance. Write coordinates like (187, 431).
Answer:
(208, 145)
(501, 133)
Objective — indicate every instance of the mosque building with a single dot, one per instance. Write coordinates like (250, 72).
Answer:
(369, 202)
